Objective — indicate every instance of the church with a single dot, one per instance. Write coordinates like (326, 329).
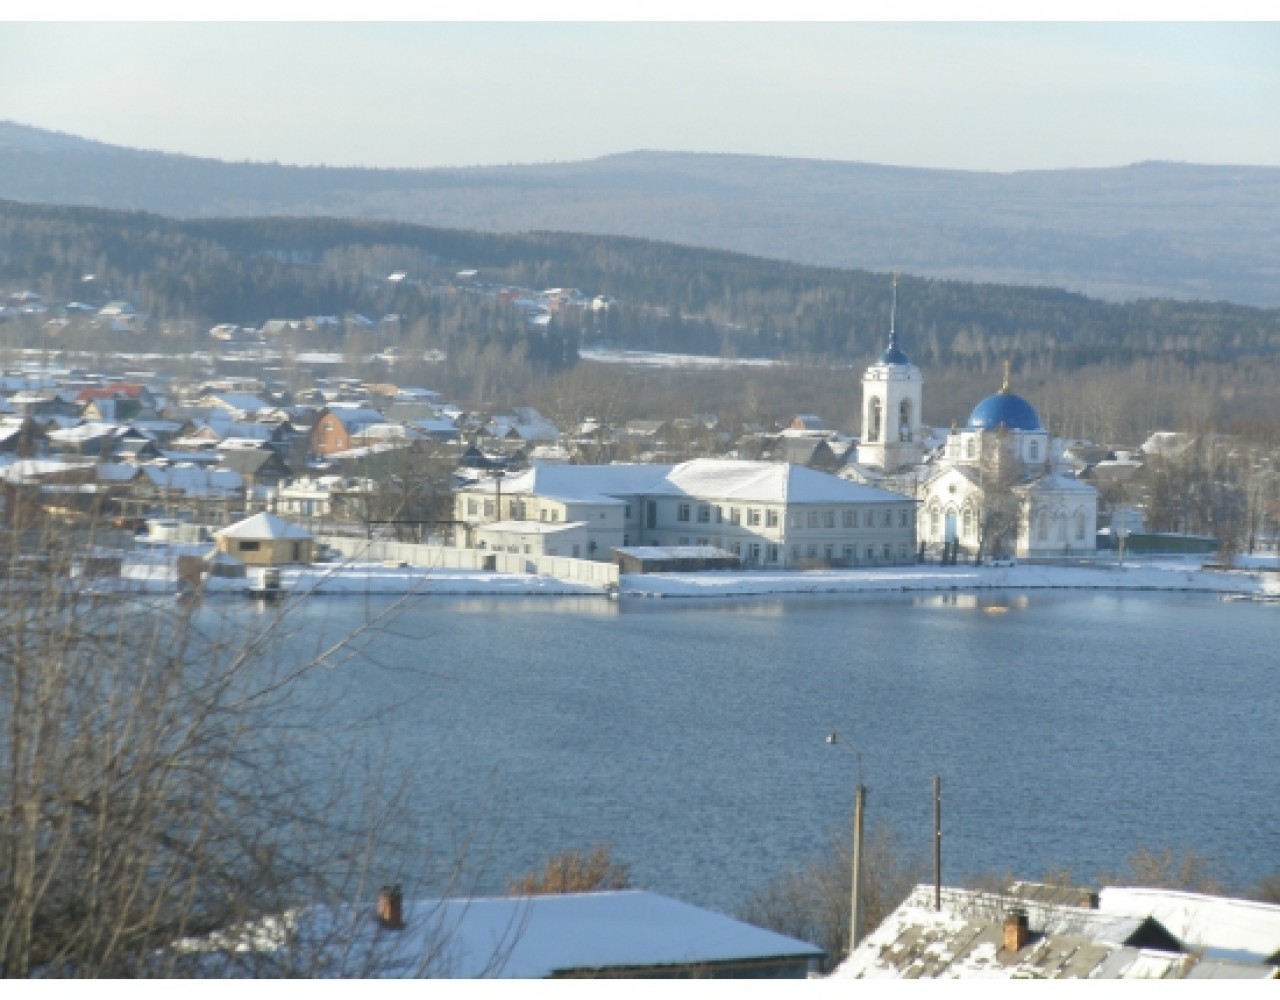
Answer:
(997, 488)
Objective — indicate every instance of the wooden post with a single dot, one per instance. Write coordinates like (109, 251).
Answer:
(855, 916)
(937, 842)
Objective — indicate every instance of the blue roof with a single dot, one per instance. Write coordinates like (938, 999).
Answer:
(1007, 410)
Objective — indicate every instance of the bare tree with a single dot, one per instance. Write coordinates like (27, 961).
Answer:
(813, 902)
(149, 787)
(1001, 514)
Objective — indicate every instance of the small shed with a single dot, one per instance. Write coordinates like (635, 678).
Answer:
(674, 559)
(266, 540)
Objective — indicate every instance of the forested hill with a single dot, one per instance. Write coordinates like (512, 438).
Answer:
(1148, 230)
(669, 297)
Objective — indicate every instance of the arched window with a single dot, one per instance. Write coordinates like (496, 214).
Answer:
(968, 522)
(968, 448)
(904, 420)
(1080, 526)
(874, 416)
(935, 522)
(1042, 526)
(1033, 450)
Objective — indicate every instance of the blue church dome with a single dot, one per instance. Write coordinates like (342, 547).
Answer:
(1004, 409)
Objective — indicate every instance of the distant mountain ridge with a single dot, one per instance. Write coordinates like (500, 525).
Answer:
(1148, 230)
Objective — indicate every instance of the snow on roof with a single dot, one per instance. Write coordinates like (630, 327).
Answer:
(264, 525)
(769, 482)
(1203, 922)
(535, 937)
(702, 478)
(195, 481)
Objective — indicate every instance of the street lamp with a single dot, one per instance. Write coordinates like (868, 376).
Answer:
(859, 806)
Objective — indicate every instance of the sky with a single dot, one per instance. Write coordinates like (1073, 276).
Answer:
(976, 95)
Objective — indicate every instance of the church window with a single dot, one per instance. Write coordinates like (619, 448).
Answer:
(1033, 451)
(874, 418)
(935, 522)
(904, 420)
(1080, 526)
(1042, 528)
(968, 448)
(968, 522)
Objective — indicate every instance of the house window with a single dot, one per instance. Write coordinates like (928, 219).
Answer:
(735, 515)
(904, 518)
(829, 552)
(753, 517)
(773, 553)
(902, 551)
(682, 512)
(848, 552)
(795, 552)
(736, 548)
(813, 552)
(796, 519)
(888, 519)
(719, 514)
(488, 508)
(771, 519)
(704, 513)
(702, 541)
(250, 546)
(755, 553)
(471, 506)
(871, 553)
(828, 518)
(627, 511)
(850, 518)
(888, 551)
(684, 539)
(813, 519)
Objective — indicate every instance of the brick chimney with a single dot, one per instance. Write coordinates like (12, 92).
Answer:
(391, 908)
(1016, 930)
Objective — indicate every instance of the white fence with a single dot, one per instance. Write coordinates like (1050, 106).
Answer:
(598, 574)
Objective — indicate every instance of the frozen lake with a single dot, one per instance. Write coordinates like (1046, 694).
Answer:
(1067, 728)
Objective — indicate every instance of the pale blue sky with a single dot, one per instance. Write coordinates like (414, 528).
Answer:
(970, 96)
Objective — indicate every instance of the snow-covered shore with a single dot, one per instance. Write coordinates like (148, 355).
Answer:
(376, 578)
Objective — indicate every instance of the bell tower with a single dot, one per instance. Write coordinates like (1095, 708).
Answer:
(892, 403)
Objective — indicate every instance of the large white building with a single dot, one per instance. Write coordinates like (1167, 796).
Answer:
(769, 514)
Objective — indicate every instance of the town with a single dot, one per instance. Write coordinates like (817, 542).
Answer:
(343, 467)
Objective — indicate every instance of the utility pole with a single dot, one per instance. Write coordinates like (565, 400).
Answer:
(855, 915)
(937, 842)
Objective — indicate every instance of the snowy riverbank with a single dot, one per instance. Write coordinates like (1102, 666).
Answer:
(376, 578)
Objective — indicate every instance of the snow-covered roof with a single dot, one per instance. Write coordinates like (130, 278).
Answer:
(702, 478)
(535, 937)
(1238, 926)
(264, 526)
(768, 482)
(964, 940)
(195, 481)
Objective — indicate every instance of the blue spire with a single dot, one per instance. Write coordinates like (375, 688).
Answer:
(893, 355)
